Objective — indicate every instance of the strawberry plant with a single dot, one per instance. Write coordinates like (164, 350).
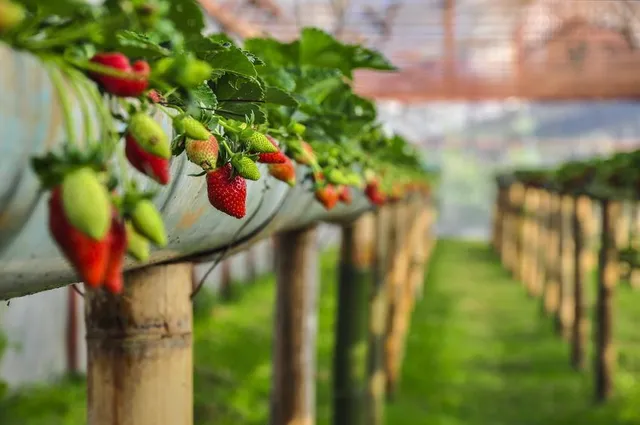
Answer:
(290, 106)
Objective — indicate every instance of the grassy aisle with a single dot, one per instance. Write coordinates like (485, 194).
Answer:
(480, 353)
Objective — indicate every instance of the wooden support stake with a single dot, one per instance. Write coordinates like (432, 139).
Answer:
(294, 368)
(384, 240)
(350, 355)
(566, 245)
(140, 360)
(498, 220)
(524, 265)
(634, 279)
(506, 254)
(417, 246)
(551, 285)
(395, 290)
(579, 332)
(607, 278)
(518, 244)
(542, 243)
(71, 331)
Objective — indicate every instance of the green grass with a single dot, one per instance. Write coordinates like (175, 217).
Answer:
(479, 353)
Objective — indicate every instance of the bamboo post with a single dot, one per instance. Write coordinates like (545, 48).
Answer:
(518, 228)
(294, 364)
(384, 241)
(498, 219)
(579, 332)
(608, 274)
(140, 360)
(530, 272)
(525, 237)
(225, 288)
(507, 233)
(354, 283)
(429, 242)
(551, 286)
(398, 277)
(634, 279)
(542, 242)
(566, 245)
(71, 331)
(417, 252)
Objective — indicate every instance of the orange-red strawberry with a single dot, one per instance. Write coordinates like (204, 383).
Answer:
(113, 280)
(87, 255)
(227, 192)
(203, 152)
(327, 196)
(372, 191)
(132, 86)
(153, 166)
(344, 194)
(273, 157)
(155, 97)
(285, 172)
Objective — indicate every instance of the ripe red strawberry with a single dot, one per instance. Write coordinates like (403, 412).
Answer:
(285, 172)
(327, 196)
(372, 191)
(87, 255)
(203, 152)
(113, 280)
(153, 166)
(344, 194)
(274, 157)
(227, 193)
(123, 87)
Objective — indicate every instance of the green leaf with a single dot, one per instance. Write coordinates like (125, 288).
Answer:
(223, 57)
(273, 52)
(187, 16)
(279, 97)
(370, 59)
(204, 96)
(239, 97)
(136, 45)
(62, 8)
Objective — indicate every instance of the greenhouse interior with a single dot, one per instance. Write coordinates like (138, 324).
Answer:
(300, 212)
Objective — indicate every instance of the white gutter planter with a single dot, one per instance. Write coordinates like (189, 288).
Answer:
(31, 123)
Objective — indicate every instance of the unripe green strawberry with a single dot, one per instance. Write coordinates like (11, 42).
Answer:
(336, 176)
(191, 127)
(259, 143)
(149, 135)
(137, 245)
(86, 203)
(245, 167)
(147, 221)
(203, 152)
(194, 74)
(354, 179)
(11, 15)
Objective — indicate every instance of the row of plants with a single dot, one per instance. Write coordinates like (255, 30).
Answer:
(616, 177)
(613, 177)
(232, 106)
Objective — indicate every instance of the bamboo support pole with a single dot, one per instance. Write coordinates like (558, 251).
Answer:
(400, 266)
(579, 336)
(608, 274)
(294, 364)
(634, 278)
(542, 232)
(567, 249)
(140, 360)
(551, 285)
(524, 265)
(350, 355)
(506, 254)
(519, 195)
(498, 219)
(417, 247)
(378, 305)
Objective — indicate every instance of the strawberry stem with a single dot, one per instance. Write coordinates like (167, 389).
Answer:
(106, 120)
(58, 83)
(166, 110)
(75, 77)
